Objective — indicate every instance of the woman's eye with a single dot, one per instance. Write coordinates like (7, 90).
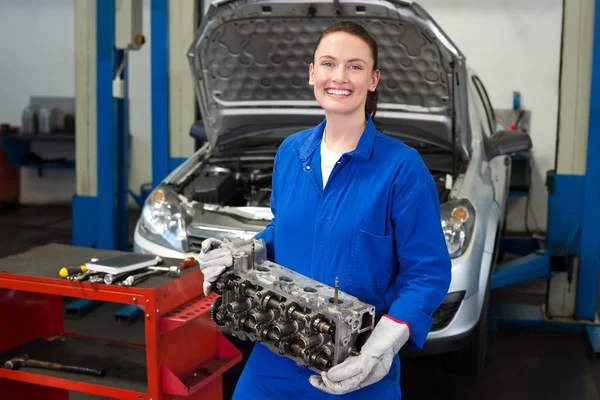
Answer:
(327, 64)
(355, 67)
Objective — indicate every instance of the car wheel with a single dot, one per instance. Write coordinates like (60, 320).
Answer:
(470, 360)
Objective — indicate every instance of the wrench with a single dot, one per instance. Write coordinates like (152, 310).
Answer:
(24, 361)
(133, 279)
(86, 275)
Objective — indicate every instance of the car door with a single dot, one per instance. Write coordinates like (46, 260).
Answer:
(499, 166)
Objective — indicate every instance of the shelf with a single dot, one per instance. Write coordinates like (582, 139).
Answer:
(18, 151)
(125, 365)
(46, 137)
(203, 373)
(66, 165)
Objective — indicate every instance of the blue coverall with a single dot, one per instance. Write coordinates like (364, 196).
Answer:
(375, 225)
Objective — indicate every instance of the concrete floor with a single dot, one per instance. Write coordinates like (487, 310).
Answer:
(521, 365)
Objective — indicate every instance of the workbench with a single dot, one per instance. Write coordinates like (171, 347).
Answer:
(184, 354)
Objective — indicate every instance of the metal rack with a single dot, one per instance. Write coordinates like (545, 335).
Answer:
(184, 352)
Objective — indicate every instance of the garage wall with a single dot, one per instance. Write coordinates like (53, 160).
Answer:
(514, 45)
(37, 41)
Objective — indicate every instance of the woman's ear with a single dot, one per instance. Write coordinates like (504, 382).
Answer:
(374, 80)
(311, 73)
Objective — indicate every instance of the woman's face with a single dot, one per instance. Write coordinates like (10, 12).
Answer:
(342, 73)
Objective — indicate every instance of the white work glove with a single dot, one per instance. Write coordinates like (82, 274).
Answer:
(371, 365)
(213, 260)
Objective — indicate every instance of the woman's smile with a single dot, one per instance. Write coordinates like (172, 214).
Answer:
(338, 93)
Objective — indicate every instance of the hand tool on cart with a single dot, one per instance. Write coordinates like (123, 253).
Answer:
(109, 279)
(175, 270)
(67, 272)
(24, 361)
(86, 275)
(137, 278)
(96, 278)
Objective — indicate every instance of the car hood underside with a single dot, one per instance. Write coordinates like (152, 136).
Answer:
(250, 61)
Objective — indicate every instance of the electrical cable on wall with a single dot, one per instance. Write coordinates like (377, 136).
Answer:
(118, 83)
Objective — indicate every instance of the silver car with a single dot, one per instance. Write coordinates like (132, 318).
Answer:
(250, 62)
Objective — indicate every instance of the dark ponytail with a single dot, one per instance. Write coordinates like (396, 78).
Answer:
(358, 30)
(371, 107)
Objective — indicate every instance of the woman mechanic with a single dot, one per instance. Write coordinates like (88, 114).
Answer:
(352, 203)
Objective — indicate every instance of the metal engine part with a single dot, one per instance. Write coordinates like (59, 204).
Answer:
(315, 325)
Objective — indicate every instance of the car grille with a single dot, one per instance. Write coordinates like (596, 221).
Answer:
(446, 311)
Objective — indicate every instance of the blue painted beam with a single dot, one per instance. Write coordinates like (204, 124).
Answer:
(587, 290)
(524, 269)
(112, 137)
(529, 317)
(122, 161)
(105, 125)
(565, 214)
(159, 64)
(519, 245)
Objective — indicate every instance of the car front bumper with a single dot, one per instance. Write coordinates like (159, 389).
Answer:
(455, 335)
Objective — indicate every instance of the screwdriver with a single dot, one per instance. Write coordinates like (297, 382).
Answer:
(66, 272)
(188, 262)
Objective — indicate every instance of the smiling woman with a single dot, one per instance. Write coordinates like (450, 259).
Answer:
(353, 204)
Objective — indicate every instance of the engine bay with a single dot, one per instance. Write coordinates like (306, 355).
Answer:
(248, 184)
(245, 185)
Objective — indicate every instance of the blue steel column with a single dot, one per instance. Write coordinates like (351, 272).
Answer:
(111, 134)
(159, 64)
(590, 237)
(122, 137)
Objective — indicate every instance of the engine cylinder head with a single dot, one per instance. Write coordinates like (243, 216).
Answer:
(260, 317)
(239, 305)
(306, 342)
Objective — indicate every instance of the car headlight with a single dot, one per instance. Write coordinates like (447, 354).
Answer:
(458, 221)
(164, 219)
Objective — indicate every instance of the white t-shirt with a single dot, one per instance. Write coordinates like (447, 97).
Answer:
(328, 160)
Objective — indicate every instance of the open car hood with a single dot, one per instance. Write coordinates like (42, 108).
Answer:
(250, 61)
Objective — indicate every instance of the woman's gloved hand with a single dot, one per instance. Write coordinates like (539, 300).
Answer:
(215, 257)
(371, 365)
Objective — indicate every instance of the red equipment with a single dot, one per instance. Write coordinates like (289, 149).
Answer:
(184, 353)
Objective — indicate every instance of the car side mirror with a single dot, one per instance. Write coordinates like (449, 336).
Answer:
(506, 142)
(198, 132)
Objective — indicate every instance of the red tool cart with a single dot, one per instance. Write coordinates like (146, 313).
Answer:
(184, 355)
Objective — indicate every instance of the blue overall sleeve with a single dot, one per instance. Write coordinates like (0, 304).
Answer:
(268, 233)
(424, 263)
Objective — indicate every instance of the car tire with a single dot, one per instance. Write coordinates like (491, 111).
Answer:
(470, 360)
